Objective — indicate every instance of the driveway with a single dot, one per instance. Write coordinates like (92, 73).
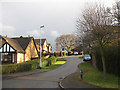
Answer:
(48, 79)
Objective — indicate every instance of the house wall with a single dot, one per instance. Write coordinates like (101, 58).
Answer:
(20, 57)
(13, 58)
(31, 51)
(38, 48)
(50, 49)
(45, 47)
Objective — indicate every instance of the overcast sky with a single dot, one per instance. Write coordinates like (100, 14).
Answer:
(24, 17)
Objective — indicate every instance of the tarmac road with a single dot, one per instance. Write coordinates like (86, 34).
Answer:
(47, 79)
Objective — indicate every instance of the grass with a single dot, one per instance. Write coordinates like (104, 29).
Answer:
(81, 56)
(60, 61)
(95, 77)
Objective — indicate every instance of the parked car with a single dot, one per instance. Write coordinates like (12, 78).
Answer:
(81, 53)
(87, 57)
(75, 53)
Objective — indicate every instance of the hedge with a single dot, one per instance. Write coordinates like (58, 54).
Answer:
(27, 66)
(12, 68)
(111, 59)
(21, 67)
(36, 63)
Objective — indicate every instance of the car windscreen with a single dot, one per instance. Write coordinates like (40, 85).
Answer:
(87, 55)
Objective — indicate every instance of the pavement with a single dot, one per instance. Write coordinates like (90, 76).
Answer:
(15, 75)
(72, 81)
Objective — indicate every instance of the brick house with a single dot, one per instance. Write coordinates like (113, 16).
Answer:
(45, 47)
(17, 50)
(49, 48)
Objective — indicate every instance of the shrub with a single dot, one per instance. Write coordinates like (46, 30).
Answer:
(60, 53)
(44, 63)
(12, 68)
(34, 64)
(51, 60)
(21, 67)
(55, 54)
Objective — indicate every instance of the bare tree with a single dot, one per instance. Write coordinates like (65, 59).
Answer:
(57, 47)
(66, 42)
(93, 29)
(115, 12)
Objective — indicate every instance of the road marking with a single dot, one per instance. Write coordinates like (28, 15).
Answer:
(37, 78)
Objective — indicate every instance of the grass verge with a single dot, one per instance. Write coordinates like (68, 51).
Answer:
(95, 77)
(60, 61)
(81, 56)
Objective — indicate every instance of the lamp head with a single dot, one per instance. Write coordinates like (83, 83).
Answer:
(42, 26)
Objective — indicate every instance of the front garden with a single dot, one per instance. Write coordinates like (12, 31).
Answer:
(49, 63)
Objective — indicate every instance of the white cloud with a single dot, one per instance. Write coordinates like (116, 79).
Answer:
(7, 30)
(55, 33)
(35, 32)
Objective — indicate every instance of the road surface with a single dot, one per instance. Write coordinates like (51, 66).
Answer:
(48, 79)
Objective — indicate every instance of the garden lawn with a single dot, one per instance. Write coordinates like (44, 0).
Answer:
(81, 56)
(95, 77)
(58, 63)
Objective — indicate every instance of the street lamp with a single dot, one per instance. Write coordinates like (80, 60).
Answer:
(42, 26)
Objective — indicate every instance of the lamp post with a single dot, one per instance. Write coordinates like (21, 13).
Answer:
(40, 45)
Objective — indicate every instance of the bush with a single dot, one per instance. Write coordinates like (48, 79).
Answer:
(51, 60)
(60, 53)
(12, 68)
(21, 67)
(44, 63)
(36, 63)
(55, 54)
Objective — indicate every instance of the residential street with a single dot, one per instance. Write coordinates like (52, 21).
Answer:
(48, 79)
